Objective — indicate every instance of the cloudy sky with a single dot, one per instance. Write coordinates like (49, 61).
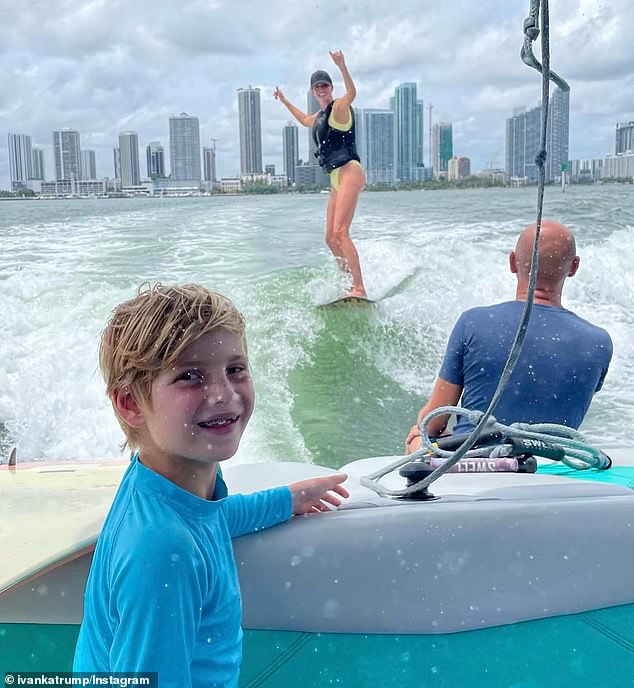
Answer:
(106, 66)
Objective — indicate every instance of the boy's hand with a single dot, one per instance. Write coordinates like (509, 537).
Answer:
(316, 494)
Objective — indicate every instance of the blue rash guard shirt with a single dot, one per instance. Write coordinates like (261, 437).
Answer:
(563, 362)
(162, 594)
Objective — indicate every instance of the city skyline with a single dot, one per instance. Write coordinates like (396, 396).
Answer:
(104, 77)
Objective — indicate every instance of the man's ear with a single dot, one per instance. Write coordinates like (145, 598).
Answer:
(127, 408)
(574, 266)
(513, 262)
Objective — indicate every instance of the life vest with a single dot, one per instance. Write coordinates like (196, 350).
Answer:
(334, 147)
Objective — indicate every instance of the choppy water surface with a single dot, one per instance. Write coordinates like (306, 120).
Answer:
(331, 385)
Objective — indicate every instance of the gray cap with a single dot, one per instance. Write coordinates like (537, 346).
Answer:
(320, 77)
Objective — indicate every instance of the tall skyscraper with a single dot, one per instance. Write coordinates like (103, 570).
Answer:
(20, 161)
(116, 154)
(312, 106)
(321, 176)
(557, 134)
(38, 164)
(129, 152)
(88, 164)
(155, 158)
(67, 151)
(250, 130)
(185, 148)
(408, 131)
(209, 162)
(378, 135)
(624, 138)
(442, 147)
(523, 139)
(290, 151)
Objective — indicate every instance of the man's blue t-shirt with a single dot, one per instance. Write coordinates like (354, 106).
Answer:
(563, 362)
(162, 594)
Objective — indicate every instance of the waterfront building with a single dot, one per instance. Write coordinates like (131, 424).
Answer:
(408, 131)
(20, 161)
(75, 187)
(312, 106)
(523, 140)
(307, 174)
(209, 162)
(250, 126)
(67, 152)
(290, 153)
(442, 148)
(116, 155)
(458, 168)
(155, 160)
(88, 164)
(378, 144)
(624, 138)
(184, 148)
(269, 169)
(129, 157)
(321, 176)
(619, 166)
(38, 169)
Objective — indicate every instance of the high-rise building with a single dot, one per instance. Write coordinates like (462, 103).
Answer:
(408, 131)
(321, 176)
(116, 154)
(442, 147)
(458, 168)
(67, 151)
(557, 134)
(20, 161)
(155, 158)
(312, 106)
(377, 139)
(523, 139)
(209, 162)
(624, 138)
(185, 148)
(290, 153)
(88, 164)
(39, 171)
(129, 152)
(250, 130)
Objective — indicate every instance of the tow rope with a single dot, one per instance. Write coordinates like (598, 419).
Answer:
(576, 453)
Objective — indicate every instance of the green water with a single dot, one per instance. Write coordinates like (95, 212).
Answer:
(331, 386)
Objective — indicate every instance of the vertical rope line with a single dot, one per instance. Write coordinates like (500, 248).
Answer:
(520, 335)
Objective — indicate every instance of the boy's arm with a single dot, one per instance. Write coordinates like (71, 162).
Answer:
(156, 598)
(253, 512)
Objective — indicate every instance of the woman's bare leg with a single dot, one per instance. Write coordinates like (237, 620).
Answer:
(341, 206)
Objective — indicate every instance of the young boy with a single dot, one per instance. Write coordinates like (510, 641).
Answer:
(162, 594)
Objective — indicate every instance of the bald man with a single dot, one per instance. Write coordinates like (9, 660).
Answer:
(563, 362)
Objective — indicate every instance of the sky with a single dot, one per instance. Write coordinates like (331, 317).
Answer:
(102, 67)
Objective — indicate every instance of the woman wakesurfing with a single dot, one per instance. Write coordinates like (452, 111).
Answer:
(333, 131)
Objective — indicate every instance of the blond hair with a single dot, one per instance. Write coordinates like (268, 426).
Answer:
(147, 334)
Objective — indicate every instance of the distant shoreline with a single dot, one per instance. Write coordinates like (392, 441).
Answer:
(467, 185)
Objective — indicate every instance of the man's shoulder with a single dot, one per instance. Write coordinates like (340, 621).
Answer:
(582, 324)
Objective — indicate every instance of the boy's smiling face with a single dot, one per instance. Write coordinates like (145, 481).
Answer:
(200, 407)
